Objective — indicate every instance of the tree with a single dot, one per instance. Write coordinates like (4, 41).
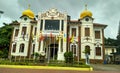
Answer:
(118, 40)
(110, 42)
(5, 36)
(87, 52)
(118, 44)
(36, 54)
(68, 57)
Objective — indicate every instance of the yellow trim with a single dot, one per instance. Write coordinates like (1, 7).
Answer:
(46, 67)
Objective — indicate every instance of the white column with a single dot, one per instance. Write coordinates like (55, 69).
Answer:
(60, 54)
(43, 27)
(36, 46)
(41, 47)
(60, 25)
(54, 50)
(59, 47)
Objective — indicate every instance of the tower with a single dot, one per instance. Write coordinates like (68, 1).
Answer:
(21, 40)
(87, 32)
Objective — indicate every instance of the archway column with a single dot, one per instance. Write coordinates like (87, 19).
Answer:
(41, 47)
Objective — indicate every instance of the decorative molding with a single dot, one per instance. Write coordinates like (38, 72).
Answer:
(52, 13)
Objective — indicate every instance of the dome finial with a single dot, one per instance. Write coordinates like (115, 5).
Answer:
(85, 13)
(29, 6)
(28, 12)
(85, 6)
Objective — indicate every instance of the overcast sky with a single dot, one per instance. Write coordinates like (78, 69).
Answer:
(104, 11)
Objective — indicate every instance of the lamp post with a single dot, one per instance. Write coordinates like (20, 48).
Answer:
(1, 12)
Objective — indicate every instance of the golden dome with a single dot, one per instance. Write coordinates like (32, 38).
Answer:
(85, 13)
(28, 13)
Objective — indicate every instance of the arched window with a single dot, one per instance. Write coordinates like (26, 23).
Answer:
(14, 48)
(33, 48)
(16, 32)
(87, 32)
(87, 49)
(98, 51)
(73, 49)
(22, 46)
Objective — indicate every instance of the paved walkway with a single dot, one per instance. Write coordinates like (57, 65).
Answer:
(105, 67)
(98, 68)
(12, 70)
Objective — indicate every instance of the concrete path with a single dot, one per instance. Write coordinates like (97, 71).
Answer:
(98, 68)
(105, 67)
(13, 70)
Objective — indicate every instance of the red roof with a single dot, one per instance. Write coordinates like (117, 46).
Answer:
(99, 25)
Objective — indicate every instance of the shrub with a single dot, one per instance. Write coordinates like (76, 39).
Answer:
(68, 57)
(1, 53)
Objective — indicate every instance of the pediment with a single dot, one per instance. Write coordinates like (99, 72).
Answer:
(53, 12)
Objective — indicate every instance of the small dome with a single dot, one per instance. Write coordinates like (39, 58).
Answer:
(85, 13)
(28, 13)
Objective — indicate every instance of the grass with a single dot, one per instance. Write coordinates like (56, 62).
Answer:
(63, 64)
(54, 63)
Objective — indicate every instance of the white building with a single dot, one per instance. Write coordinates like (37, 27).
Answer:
(53, 33)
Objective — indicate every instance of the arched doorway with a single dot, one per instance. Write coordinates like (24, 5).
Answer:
(53, 51)
(87, 49)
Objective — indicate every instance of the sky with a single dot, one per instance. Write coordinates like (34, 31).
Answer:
(104, 11)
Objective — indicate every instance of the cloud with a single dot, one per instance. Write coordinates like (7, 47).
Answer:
(11, 8)
(104, 11)
(5, 19)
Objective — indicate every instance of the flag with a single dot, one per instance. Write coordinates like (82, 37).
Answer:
(56, 37)
(41, 37)
(72, 39)
(64, 38)
(51, 35)
(69, 38)
(23, 36)
(32, 37)
(78, 38)
(45, 37)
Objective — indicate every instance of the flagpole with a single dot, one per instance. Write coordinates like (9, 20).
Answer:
(15, 58)
(49, 50)
(54, 50)
(78, 50)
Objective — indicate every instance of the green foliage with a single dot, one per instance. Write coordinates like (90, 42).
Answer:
(5, 53)
(1, 54)
(63, 64)
(113, 42)
(110, 42)
(118, 43)
(36, 54)
(7, 62)
(87, 51)
(68, 57)
(54, 63)
(5, 36)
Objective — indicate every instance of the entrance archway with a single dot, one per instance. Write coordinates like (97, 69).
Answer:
(53, 51)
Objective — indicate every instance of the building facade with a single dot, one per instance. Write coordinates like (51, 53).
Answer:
(52, 33)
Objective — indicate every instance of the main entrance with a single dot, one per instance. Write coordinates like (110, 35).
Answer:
(52, 51)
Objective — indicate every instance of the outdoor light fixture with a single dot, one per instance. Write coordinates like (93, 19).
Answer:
(1, 12)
